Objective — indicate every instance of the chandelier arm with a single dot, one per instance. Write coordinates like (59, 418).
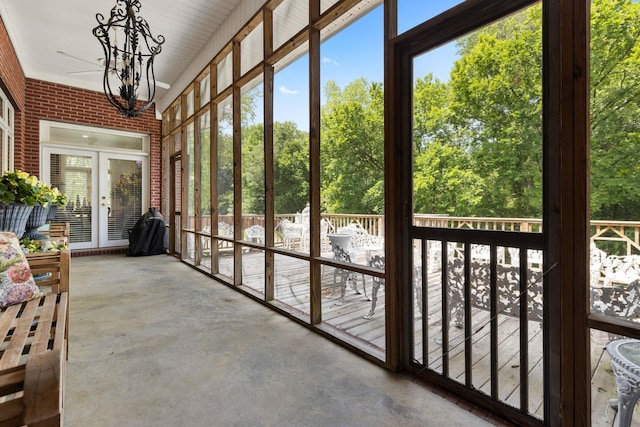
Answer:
(128, 62)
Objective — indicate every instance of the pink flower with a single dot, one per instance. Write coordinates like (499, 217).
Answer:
(6, 250)
(19, 272)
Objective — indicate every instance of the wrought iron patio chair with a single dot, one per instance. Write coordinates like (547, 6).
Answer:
(225, 230)
(344, 275)
(290, 232)
(376, 261)
(255, 234)
(325, 228)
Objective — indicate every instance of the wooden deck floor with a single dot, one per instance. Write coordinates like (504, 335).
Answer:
(292, 289)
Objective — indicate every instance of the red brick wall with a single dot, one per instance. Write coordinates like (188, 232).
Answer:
(56, 102)
(12, 81)
(10, 70)
(36, 100)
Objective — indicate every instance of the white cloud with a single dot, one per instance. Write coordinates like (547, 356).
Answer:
(288, 91)
(329, 60)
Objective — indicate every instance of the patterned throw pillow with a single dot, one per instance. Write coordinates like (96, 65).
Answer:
(16, 281)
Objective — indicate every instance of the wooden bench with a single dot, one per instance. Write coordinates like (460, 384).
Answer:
(33, 347)
(58, 231)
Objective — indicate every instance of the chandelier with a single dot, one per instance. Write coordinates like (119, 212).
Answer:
(130, 63)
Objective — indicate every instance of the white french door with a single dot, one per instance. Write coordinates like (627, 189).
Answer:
(108, 193)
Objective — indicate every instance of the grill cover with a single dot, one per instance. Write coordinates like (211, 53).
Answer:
(149, 236)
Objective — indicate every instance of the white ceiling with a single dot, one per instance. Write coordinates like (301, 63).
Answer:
(39, 30)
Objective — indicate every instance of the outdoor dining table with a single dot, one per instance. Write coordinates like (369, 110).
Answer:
(344, 241)
(625, 361)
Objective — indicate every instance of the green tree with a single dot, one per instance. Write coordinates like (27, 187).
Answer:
(352, 148)
(291, 167)
(491, 108)
(253, 191)
(615, 109)
(225, 160)
(205, 168)
(444, 181)
(432, 113)
(496, 111)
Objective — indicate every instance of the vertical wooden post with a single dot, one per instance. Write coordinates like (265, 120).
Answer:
(197, 174)
(269, 209)
(566, 210)
(237, 165)
(394, 194)
(213, 178)
(184, 181)
(314, 161)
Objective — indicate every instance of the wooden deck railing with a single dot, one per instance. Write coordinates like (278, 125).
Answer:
(616, 237)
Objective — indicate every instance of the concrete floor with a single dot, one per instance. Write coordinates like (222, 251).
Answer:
(155, 343)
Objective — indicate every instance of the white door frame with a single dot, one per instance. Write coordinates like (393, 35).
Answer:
(100, 156)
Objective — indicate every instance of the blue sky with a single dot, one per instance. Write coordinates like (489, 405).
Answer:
(357, 51)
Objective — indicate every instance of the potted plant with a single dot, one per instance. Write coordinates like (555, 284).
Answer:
(38, 217)
(58, 200)
(19, 192)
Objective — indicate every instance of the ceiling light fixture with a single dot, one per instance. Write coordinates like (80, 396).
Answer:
(133, 61)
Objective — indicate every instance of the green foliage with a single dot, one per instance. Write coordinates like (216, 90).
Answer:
(477, 138)
(225, 174)
(615, 109)
(352, 148)
(37, 246)
(444, 181)
(205, 171)
(20, 187)
(59, 198)
(291, 167)
(253, 191)
(491, 109)
(496, 109)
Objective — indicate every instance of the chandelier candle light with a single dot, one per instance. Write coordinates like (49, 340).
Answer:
(131, 62)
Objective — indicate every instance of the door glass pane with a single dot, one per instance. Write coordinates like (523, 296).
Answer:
(73, 176)
(125, 193)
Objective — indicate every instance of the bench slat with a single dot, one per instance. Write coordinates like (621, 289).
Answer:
(34, 335)
(14, 350)
(62, 317)
(43, 330)
(7, 320)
